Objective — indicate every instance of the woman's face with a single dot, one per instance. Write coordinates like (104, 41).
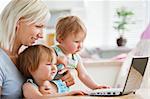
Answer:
(27, 34)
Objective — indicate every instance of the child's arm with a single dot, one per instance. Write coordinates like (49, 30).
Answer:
(86, 79)
(32, 92)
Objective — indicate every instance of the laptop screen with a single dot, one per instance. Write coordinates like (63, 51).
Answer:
(135, 74)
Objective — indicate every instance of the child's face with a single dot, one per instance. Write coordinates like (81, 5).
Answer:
(45, 71)
(73, 43)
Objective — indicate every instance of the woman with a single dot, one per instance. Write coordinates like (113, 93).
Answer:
(21, 23)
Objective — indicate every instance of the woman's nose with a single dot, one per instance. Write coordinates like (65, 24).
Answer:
(40, 35)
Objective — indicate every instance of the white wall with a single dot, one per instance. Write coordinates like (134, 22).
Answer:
(134, 32)
(148, 10)
(102, 72)
(3, 3)
(100, 18)
(94, 23)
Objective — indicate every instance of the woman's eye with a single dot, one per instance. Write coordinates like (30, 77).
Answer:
(39, 26)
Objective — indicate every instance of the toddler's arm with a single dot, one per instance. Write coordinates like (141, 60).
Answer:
(86, 79)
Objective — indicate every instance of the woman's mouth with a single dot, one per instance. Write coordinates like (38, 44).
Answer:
(33, 40)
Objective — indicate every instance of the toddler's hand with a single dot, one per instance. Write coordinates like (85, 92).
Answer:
(102, 87)
(76, 93)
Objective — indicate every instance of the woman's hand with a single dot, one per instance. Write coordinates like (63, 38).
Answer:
(68, 78)
(44, 90)
(48, 88)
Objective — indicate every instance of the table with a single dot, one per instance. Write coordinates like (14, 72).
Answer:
(140, 94)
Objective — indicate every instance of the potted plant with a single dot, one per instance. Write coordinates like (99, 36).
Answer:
(124, 19)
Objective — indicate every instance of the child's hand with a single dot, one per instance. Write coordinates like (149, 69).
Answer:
(45, 90)
(102, 87)
(75, 93)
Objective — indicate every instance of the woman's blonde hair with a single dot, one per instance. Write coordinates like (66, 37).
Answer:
(32, 11)
(68, 25)
(28, 60)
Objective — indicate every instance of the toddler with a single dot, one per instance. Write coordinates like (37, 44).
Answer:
(37, 64)
(70, 34)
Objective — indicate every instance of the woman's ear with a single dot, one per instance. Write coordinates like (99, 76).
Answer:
(17, 25)
(18, 22)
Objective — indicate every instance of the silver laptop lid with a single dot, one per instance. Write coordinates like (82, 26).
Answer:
(135, 75)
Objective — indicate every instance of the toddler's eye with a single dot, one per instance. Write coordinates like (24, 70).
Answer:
(76, 41)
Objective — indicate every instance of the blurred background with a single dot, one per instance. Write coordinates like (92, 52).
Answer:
(100, 17)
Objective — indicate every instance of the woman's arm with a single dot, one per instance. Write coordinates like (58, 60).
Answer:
(31, 92)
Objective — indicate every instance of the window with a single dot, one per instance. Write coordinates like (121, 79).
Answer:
(55, 15)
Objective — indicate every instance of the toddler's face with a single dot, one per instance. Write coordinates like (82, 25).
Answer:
(73, 43)
(46, 70)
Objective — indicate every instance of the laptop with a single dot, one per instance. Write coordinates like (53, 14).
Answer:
(132, 80)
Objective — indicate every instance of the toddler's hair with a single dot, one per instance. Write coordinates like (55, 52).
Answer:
(69, 25)
(29, 59)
